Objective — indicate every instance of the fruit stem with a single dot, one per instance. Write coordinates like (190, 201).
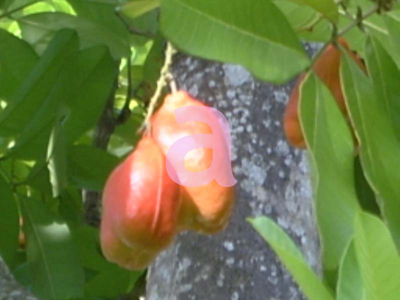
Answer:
(161, 83)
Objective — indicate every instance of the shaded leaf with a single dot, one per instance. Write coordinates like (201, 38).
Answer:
(89, 167)
(37, 85)
(9, 223)
(37, 28)
(52, 255)
(17, 59)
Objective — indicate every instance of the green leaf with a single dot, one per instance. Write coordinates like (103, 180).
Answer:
(89, 167)
(379, 147)
(37, 28)
(52, 255)
(392, 26)
(92, 74)
(350, 285)
(377, 257)
(17, 59)
(80, 93)
(385, 78)
(366, 195)
(37, 85)
(330, 143)
(71, 206)
(103, 14)
(9, 223)
(136, 8)
(327, 8)
(252, 33)
(57, 159)
(292, 258)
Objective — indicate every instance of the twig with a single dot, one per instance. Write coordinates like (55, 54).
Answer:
(161, 83)
(343, 32)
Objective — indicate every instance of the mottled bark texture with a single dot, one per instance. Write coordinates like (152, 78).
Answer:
(9, 288)
(272, 180)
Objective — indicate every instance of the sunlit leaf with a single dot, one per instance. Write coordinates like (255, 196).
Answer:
(330, 143)
(252, 33)
(350, 285)
(292, 258)
(379, 146)
(377, 257)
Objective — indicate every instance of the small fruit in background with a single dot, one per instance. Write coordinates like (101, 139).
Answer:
(327, 68)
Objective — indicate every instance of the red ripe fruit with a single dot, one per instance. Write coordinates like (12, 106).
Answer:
(327, 68)
(140, 208)
(207, 208)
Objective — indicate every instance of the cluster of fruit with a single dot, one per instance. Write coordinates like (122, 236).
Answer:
(143, 208)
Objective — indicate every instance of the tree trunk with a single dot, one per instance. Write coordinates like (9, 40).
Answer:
(273, 180)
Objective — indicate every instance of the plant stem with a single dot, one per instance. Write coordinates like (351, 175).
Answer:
(343, 32)
(161, 83)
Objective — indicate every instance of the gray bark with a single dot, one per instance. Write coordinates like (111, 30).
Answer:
(273, 180)
(9, 288)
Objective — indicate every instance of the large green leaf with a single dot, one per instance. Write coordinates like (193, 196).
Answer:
(252, 33)
(37, 28)
(327, 8)
(378, 258)
(379, 147)
(17, 59)
(350, 285)
(292, 258)
(385, 78)
(89, 167)
(38, 84)
(53, 258)
(330, 143)
(9, 223)
(93, 73)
